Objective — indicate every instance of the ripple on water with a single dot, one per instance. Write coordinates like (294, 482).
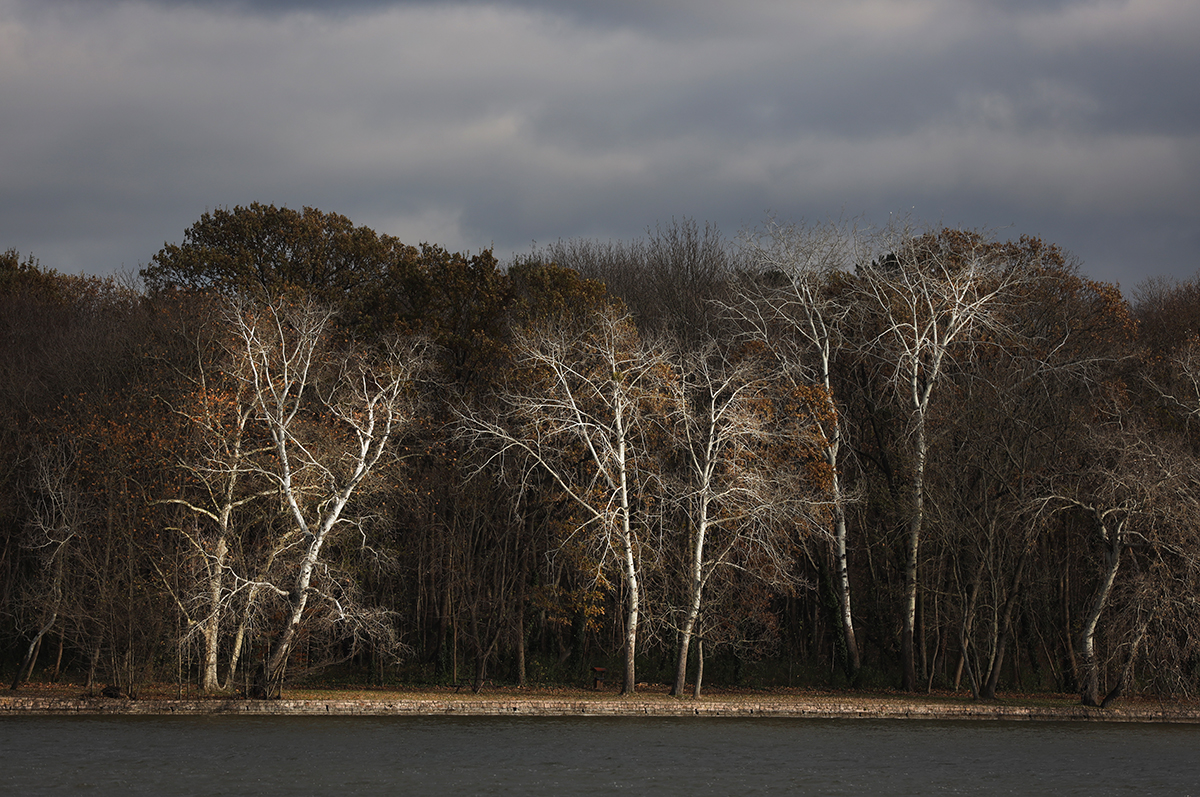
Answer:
(590, 755)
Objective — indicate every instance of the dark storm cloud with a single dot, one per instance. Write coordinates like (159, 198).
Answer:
(472, 124)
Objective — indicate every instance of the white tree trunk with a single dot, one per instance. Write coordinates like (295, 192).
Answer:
(696, 589)
(912, 561)
(1087, 638)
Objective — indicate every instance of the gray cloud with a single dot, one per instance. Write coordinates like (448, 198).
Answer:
(478, 124)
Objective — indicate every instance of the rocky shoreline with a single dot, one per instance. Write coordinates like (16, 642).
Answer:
(651, 706)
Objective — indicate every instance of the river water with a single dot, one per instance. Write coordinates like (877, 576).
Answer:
(579, 756)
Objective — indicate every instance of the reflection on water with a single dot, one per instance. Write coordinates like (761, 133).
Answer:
(661, 756)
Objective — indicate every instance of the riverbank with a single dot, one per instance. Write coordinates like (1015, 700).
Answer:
(561, 703)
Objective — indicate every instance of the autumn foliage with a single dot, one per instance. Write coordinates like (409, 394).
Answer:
(818, 454)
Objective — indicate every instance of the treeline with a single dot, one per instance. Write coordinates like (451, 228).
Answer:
(812, 455)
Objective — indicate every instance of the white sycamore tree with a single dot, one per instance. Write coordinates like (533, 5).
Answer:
(796, 304)
(219, 412)
(1142, 500)
(580, 409)
(330, 414)
(926, 301)
(738, 483)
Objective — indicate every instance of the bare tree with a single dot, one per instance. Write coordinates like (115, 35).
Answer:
(330, 416)
(739, 487)
(1179, 387)
(794, 302)
(1141, 497)
(582, 415)
(57, 515)
(926, 299)
(219, 412)
(668, 280)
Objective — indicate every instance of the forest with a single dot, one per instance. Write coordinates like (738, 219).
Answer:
(293, 449)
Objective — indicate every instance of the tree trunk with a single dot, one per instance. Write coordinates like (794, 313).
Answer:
(1090, 687)
(681, 661)
(58, 659)
(35, 644)
(912, 550)
(239, 638)
(993, 679)
(31, 653)
(695, 594)
(629, 683)
(521, 635)
(483, 648)
(1127, 672)
(968, 623)
(235, 654)
(271, 680)
(853, 663)
(481, 651)
(212, 623)
(94, 664)
(840, 534)
(1070, 659)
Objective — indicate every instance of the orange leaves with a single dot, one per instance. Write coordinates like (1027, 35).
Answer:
(562, 605)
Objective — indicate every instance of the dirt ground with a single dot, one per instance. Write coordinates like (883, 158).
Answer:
(954, 703)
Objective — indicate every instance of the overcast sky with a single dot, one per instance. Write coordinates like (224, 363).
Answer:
(477, 124)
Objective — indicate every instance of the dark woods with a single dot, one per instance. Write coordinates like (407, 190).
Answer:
(815, 455)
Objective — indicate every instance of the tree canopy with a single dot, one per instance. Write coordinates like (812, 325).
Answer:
(818, 454)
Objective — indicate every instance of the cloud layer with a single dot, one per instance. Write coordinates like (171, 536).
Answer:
(479, 124)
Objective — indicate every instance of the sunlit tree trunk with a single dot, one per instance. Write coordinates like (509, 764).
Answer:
(1090, 687)
(695, 591)
(911, 562)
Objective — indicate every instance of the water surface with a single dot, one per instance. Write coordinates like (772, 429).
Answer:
(590, 755)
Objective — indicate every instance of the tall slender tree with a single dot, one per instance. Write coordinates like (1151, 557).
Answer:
(925, 299)
(739, 483)
(795, 303)
(330, 416)
(581, 413)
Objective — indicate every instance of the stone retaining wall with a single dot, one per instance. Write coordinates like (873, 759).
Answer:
(868, 708)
